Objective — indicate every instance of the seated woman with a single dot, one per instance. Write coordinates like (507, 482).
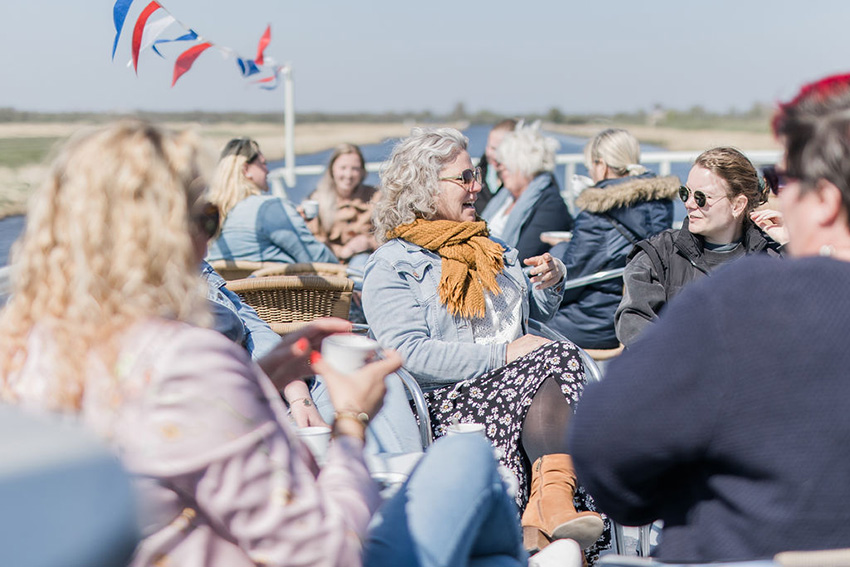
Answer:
(530, 202)
(102, 325)
(256, 226)
(730, 421)
(722, 191)
(456, 304)
(626, 204)
(344, 222)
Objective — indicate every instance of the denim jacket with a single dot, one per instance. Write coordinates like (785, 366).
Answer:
(402, 306)
(263, 228)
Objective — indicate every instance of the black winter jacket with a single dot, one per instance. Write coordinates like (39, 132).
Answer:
(669, 261)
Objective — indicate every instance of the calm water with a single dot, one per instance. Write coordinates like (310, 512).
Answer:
(11, 227)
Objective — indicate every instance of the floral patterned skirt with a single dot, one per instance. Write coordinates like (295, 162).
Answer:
(500, 400)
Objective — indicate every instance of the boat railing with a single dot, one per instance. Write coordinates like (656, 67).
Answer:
(570, 162)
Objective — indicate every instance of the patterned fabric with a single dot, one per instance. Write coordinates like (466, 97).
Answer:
(352, 217)
(500, 399)
(502, 320)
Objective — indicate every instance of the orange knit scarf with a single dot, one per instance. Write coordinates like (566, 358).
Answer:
(470, 261)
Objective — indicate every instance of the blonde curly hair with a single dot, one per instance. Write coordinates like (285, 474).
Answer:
(107, 244)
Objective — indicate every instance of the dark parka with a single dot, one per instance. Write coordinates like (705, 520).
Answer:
(615, 214)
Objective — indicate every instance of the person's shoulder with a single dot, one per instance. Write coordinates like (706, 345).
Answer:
(179, 338)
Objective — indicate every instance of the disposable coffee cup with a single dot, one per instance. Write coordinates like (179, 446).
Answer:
(310, 208)
(317, 440)
(466, 429)
(346, 353)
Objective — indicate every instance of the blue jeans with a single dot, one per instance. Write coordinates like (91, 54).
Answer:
(452, 511)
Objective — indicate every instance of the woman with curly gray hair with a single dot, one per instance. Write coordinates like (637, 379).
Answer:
(455, 303)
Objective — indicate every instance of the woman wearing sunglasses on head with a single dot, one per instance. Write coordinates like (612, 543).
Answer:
(720, 196)
(455, 303)
(530, 202)
(257, 226)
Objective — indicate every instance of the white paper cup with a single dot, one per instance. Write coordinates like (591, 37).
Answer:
(310, 208)
(466, 429)
(317, 440)
(346, 353)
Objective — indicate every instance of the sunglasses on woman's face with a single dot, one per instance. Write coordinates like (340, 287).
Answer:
(774, 178)
(206, 219)
(700, 198)
(466, 177)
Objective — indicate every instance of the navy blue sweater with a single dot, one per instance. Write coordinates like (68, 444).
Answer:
(730, 418)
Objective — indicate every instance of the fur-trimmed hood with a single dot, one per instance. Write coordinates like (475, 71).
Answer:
(625, 192)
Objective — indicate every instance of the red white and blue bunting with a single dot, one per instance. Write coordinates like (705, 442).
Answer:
(146, 35)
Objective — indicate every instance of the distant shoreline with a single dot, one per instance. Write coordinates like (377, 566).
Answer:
(17, 182)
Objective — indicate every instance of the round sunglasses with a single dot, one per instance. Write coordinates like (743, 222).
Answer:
(466, 177)
(700, 198)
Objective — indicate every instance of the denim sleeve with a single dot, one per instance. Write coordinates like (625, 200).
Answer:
(289, 232)
(400, 321)
(260, 338)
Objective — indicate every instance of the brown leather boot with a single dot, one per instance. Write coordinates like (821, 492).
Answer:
(550, 513)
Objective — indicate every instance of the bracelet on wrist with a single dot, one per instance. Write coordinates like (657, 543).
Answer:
(360, 417)
(307, 402)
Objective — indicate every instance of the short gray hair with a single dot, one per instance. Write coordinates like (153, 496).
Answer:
(410, 181)
(527, 151)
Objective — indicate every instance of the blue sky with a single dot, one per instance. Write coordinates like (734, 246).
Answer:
(508, 56)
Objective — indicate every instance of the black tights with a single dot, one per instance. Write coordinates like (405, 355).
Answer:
(544, 431)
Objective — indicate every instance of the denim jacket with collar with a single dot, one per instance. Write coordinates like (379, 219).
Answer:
(402, 306)
(264, 228)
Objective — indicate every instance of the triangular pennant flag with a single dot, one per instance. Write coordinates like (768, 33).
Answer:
(119, 14)
(139, 30)
(186, 59)
(247, 67)
(264, 42)
(191, 36)
(153, 31)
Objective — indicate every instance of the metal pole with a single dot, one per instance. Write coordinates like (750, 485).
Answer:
(289, 125)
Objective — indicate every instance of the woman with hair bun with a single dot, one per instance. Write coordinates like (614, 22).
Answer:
(722, 191)
(627, 204)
